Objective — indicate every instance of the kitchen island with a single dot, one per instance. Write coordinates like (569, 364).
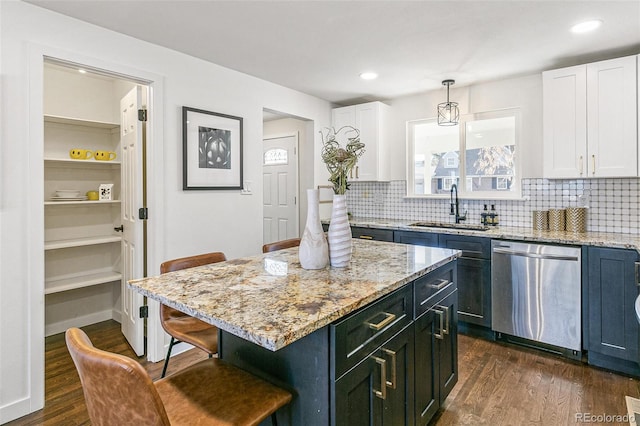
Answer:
(317, 332)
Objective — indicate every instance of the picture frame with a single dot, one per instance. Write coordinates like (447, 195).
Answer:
(211, 150)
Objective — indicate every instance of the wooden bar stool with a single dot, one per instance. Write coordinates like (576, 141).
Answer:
(118, 391)
(279, 245)
(183, 327)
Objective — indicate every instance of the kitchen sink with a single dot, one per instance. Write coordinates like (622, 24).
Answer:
(450, 225)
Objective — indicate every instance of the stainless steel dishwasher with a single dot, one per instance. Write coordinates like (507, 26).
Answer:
(536, 294)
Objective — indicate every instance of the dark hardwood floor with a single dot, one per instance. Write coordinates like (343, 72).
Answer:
(499, 384)
(503, 384)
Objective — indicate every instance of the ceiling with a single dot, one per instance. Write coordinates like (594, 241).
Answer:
(321, 47)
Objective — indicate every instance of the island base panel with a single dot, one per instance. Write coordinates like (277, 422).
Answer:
(301, 367)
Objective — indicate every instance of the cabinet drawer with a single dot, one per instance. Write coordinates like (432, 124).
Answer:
(416, 238)
(477, 247)
(357, 335)
(372, 234)
(432, 284)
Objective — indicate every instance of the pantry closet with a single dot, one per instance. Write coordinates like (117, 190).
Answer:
(92, 246)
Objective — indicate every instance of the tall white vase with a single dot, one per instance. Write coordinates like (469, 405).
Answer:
(313, 251)
(339, 233)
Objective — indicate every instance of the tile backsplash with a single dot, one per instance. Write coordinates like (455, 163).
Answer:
(614, 204)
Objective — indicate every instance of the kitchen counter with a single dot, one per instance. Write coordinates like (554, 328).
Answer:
(601, 239)
(271, 301)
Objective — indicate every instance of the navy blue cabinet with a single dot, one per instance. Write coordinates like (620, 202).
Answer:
(612, 324)
(474, 271)
(474, 277)
(416, 238)
(372, 234)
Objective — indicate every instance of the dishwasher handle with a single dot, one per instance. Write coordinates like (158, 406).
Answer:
(533, 255)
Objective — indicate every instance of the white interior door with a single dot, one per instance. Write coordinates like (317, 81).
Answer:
(132, 238)
(280, 188)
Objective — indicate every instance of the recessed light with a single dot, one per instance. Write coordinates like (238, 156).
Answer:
(368, 75)
(81, 71)
(586, 26)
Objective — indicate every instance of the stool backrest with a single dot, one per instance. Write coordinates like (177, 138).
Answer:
(117, 390)
(192, 261)
(280, 245)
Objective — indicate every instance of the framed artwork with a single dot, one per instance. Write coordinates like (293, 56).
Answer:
(211, 151)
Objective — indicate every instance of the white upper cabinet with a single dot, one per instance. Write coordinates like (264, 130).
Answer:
(590, 118)
(369, 119)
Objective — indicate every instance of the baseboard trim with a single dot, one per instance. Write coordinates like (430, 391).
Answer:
(80, 321)
(16, 409)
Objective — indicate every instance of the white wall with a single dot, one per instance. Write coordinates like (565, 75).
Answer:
(523, 92)
(190, 221)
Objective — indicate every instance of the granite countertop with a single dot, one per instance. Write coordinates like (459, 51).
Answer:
(270, 300)
(601, 239)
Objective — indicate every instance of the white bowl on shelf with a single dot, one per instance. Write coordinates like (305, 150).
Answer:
(67, 193)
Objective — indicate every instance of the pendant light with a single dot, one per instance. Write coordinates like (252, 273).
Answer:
(448, 112)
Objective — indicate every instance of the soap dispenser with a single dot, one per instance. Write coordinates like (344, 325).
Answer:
(484, 216)
(494, 216)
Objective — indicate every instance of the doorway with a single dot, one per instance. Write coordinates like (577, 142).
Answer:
(94, 242)
(280, 188)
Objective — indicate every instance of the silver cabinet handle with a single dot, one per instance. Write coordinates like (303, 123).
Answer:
(386, 321)
(638, 274)
(593, 164)
(382, 393)
(394, 372)
(357, 172)
(445, 310)
(441, 315)
(441, 284)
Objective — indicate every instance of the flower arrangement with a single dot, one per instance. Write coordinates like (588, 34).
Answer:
(340, 161)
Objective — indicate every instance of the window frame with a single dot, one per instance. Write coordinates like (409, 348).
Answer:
(496, 194)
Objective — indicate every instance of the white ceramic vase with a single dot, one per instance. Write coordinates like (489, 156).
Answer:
(314, 251)
(339, 233)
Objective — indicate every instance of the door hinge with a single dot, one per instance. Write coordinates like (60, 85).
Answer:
(143, 213)
(142, 115)
(144, 311)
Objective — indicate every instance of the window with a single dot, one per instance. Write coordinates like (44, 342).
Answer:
(480, 152)
(275, 156)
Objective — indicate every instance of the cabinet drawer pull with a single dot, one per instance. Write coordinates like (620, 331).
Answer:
(357, 173)
(593, 164)
(445, 310)
(441, 284)
(386, 321)
(638, 274)
(394, 372)
(441, 315)
(382, 393)
(365, 237)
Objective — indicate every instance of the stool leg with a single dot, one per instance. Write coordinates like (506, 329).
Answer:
(166, 361)
(274, 420)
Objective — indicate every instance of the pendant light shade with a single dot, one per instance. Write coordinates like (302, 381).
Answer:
(448, 112)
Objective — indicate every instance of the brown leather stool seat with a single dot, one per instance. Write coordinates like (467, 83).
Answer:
(280, 245)
(118, 391)
(183, 327)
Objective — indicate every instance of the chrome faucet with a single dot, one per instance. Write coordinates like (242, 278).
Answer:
(455, 208)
